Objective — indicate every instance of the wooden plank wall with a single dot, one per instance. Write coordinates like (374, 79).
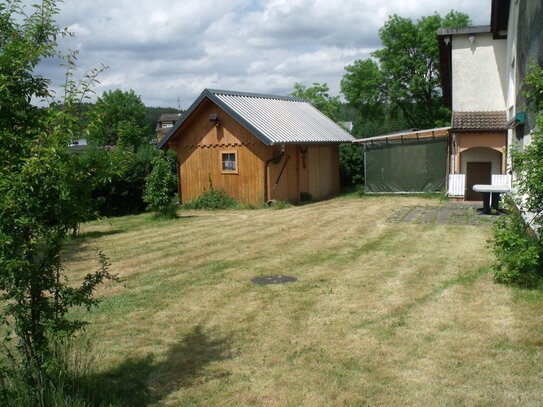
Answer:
(199, 143)
(323, 171)
(496, 141)
(287, 188)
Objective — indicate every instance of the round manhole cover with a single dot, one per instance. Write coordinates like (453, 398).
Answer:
(273, 279)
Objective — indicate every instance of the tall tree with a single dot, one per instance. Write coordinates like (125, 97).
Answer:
(40, 197)
(113, 113)
(405, 72)
(318, 96)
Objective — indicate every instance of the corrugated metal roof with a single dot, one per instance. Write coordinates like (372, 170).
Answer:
(273, 119)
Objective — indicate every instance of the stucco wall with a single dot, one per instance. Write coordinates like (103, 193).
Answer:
(479, 73)
(481, 154)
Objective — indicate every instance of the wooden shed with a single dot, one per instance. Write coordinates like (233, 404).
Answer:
(256, 148)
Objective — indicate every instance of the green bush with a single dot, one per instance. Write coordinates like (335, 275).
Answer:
(213, 199)
(160, 187)
(518, 252)
(123, 193)
(351, 164)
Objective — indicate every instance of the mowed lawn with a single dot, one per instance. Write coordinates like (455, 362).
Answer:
(382, 314)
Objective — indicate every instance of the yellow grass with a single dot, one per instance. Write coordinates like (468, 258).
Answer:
(382, 314)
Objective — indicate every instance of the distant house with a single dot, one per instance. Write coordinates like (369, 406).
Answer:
(256, 147)
(165, 123)
(474, 71)
(77, 145)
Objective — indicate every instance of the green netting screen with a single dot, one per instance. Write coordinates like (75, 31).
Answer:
(406, 165)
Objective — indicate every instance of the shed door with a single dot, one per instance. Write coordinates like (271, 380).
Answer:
(477, 173)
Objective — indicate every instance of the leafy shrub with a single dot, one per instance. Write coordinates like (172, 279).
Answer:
(518, 252)
(519, 255)
(351, 164)
(123, 193)
(160, 187)
(213, 199)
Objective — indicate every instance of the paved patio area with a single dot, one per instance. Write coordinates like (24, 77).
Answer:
(452, 213)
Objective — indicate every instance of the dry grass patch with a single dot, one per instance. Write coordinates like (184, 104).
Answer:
(381, 314)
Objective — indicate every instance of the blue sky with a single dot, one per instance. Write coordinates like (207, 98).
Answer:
(166, 50)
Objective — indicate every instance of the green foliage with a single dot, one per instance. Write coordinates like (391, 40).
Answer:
(122, 194)
(161, 185)
(43, 196)
(278, 205)
(528, 164)
(131, 136)
(454, 19)
(405, 73)
(318, 96)
(364, 85)
(115, 114)
(73, 384)
(518, 252)
(213, 199)
(351, 164)
(23, 44)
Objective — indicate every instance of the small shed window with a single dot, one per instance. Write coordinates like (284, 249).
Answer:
(229, 162)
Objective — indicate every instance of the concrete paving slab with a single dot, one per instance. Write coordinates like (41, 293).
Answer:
(451, 213)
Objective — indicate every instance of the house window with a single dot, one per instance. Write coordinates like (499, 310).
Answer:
(229, 162)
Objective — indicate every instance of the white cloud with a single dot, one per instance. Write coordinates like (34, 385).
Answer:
(168, 50)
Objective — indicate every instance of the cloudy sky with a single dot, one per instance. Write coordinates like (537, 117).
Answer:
(171, 50)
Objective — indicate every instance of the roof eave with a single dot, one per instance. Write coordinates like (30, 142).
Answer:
(424, 133)
(499, 18)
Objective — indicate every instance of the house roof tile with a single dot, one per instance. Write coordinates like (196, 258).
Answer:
(478, 121)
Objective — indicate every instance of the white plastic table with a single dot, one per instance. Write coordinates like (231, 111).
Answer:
(489, 191)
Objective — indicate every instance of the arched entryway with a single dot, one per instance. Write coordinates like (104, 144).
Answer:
(479, 163)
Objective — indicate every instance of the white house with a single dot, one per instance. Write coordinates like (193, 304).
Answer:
(483, 71)
(474, 85)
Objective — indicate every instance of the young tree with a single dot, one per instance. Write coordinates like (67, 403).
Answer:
(405, 72)
(161, 185)
(40, 196)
